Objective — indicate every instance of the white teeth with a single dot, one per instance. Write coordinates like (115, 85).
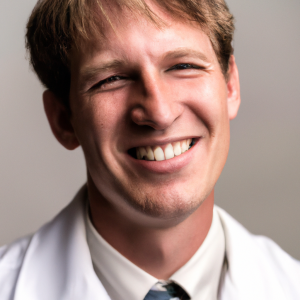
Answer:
(169, 152)
(184, 147)
(150, 154)
(143, 152)
(177, 148)
(159, 154)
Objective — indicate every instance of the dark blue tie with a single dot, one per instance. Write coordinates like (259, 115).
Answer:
(167, 291)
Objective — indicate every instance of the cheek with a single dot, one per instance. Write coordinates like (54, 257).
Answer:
(99, 118)
(207, 99)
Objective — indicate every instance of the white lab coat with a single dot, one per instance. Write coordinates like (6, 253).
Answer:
(55, 264)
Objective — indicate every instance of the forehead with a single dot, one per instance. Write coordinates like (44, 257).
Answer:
(133, 29)
(134, 40)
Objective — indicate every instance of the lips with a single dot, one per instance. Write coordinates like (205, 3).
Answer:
(162, 152)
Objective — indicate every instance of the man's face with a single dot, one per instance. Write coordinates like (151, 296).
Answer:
(151, 88)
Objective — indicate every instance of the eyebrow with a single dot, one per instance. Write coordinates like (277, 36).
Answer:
(89, 73)
(183, 52)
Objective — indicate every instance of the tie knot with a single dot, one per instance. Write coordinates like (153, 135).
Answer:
(167, 290)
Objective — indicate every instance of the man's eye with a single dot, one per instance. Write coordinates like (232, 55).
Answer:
(111, 79)
(183, 67)
(106, 83)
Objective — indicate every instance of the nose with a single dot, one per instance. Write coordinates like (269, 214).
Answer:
(155, 105)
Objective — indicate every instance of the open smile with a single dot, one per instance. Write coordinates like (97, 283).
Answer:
(162, 152)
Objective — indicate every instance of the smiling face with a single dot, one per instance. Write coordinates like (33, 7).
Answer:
(151, 110)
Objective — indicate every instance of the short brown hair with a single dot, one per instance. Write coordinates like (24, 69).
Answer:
(57, 26)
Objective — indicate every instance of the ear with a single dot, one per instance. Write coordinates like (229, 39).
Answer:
(233, 89)
(59, 120)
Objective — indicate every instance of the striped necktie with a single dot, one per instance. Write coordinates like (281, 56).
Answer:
(167, 290)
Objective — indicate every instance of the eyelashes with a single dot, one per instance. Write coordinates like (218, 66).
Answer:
(185, 67)
(116, 81)
(108, 81)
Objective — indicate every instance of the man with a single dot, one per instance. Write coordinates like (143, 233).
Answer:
(147, 89)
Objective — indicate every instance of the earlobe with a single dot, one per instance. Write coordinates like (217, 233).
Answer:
(59, 120)
(233, 89)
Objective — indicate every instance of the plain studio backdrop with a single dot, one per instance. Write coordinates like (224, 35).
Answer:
(260, 183)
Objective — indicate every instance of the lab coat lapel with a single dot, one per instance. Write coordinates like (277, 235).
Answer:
(57, 264)
(250, 274)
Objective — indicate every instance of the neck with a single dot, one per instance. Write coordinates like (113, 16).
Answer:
(158, 251)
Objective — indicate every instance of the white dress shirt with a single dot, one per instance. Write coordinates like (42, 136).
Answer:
(122, 279)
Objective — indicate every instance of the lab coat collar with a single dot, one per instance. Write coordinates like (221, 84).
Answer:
(251, 270)
(58, 265)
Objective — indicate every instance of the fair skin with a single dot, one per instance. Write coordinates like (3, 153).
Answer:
(146, 86)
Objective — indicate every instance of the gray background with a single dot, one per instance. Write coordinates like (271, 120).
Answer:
(260, 183)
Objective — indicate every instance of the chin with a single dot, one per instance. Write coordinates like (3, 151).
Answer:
(166, 205)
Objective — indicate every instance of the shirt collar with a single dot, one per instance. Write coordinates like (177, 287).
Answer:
(200, 276)
(122, 279)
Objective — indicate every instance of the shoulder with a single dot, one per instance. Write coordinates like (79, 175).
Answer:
(44, 265)
(11, 255)
(286, 268)
(11, 259)
(257, 261)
